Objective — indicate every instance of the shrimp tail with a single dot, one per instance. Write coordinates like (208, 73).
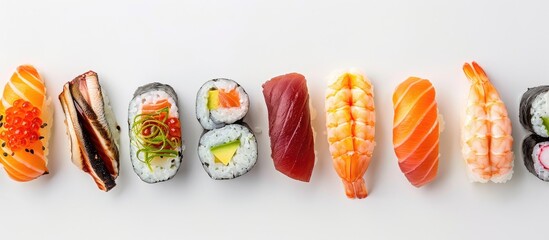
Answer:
(356, 189)
(475, 73)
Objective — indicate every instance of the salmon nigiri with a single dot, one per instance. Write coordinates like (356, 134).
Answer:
(350, 121)
(25, 122)
(416, 130)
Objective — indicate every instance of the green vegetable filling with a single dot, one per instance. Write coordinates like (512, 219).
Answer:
(150, 136)
(546, 123)
(225, 152)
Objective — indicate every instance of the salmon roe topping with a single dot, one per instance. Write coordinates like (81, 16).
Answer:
(22, 125)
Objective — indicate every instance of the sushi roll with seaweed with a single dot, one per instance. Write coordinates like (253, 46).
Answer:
(155, 133)
(220, 102)
(535, 151)
(534, 110)
(228, 152)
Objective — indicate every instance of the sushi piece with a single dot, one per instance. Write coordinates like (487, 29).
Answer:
(219, 102)
(228, 152)
(534, 110)
(350, 121)
(92, 129)
(535, 151)
(290, 130)
(155, 133)
(416, 130)
(25, 123)
(486, 132)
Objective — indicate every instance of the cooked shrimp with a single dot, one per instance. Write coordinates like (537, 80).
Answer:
(350, 121)
(486, 132)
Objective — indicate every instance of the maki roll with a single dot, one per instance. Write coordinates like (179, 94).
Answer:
(219, 102)
(535, 150)
(227, 148)
(534, 110)
(92, 129)
(155, 132)
(228, 152)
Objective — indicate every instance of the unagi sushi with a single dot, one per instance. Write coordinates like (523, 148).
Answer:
(290, 130)
(25, 123)
(350, 121)
(416, 130)
(486, 132)
(92, 129)
(155, 133)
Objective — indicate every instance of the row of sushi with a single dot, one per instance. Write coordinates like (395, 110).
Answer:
(228, 147)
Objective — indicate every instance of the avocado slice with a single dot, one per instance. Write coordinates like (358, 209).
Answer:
(225, 152)
(213, 99)
(546, 123)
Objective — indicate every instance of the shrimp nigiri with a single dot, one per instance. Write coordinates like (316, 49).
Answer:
(416, 130)
(486, 132)
(25, 122)
(350, 121)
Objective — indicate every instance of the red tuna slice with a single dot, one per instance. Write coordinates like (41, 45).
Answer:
(292, 143)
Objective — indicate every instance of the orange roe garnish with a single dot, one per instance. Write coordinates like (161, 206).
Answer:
(22, 125)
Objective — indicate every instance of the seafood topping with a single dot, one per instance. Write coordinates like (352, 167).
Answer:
(290, 130)
(92, 129)
(22, 125)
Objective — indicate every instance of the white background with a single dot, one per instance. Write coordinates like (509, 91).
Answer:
(185, 43)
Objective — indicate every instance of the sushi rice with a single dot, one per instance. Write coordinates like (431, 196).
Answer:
(539, 109)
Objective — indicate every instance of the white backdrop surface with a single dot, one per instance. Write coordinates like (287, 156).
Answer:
(185, 43)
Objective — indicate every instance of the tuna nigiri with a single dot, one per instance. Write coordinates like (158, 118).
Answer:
(416, 130)
(290, 130)
(486, 132)
(350, 121)
(25, 122)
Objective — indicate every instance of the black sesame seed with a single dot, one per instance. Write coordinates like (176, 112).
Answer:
(26, 150)
(32, 151)
(1, 117)
(41, 137)
(12, 153)
(1, 124)
(161, 156)
(44, 125)
(5, 154)
(3, 144)
(117, 127)
(43, 148)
